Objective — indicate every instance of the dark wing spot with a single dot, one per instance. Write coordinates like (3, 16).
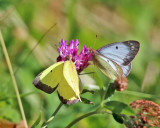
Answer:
(38, 84)
(116, 47)
(51, 70)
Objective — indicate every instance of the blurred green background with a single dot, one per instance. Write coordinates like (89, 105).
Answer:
(23, 22)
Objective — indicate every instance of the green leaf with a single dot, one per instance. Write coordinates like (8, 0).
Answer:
(119, 108)
(86, 101)
(139, 94)
(110, 91)
(9, 113)
(37, 121)
(118, 118)
(86, 90)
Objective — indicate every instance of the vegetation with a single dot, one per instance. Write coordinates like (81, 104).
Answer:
(26, 23)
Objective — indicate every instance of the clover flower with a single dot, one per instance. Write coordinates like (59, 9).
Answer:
(147, 114)
(70, 51)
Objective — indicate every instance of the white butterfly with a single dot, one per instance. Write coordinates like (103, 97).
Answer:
(114, 60)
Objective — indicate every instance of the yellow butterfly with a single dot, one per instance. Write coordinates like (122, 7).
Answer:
(63, 77)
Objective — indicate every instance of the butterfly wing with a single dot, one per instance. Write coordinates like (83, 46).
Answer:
(65, 93)
(49, 79)
(68, 89)
(107, 66)
(71, 76)
(121, 53)
(126, 69)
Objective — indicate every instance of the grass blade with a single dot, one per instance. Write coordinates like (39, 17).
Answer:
(37, 121)
(13, 79)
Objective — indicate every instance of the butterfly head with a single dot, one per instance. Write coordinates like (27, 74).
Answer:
(92, 52)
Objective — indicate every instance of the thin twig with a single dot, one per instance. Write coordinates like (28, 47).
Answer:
(44, 125)
(35, 46)
(27, 56)
(13, 79)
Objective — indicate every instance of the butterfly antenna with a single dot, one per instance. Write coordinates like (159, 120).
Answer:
(56, 46)
(95, 41)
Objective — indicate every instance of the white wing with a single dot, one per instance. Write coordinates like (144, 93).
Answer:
(107, 66)
(126, 69)
(121, 53)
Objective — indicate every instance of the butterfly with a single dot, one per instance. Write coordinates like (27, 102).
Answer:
(61, 76)
(114, 59)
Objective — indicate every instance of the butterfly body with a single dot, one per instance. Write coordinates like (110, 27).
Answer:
(114, 59)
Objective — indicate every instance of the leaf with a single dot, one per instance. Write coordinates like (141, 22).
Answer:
(37, 121)
(119, 108)
(118, 118)
(110, 91)
(86, 101)
(8, 112)
(139, 94)
(86, 90)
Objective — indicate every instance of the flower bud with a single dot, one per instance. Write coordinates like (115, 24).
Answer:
(120, 84)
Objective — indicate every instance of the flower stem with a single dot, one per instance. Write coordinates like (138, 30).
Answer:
(44, 125)
(80, 118)
(104, 93)
(99, 110)
(13, 79)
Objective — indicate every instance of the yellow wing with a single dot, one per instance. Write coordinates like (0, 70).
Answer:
(49, 79)
(71, 76)
(107, 66)
(66, 93)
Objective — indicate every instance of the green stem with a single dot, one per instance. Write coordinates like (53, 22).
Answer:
(99, 110)
(104, 93)
(44, 125)
(80, 118)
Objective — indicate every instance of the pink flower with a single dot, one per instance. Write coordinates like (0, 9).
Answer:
(70, 51)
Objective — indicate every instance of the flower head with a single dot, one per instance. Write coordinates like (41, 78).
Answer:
(121, 83)
(147, 114)
(70, 51)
